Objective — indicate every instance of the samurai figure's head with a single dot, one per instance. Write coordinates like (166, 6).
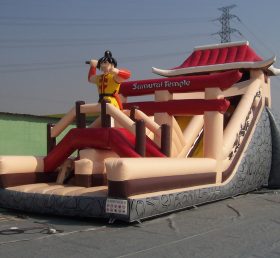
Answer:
(107, 62)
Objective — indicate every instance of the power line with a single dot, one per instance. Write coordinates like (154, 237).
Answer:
(37, 43)
(151, 57)
(224, 19)
(29, 21)
(17, 68)
(257, 38)
(108, 19)
(33, 69)
(40, 64)
(99, 39)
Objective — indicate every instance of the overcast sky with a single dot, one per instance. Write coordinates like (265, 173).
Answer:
(44, 43)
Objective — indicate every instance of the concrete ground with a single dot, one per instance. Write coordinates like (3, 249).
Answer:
(245, 226)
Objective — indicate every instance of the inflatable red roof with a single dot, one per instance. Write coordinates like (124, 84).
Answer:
(227, 53)
(218, 57)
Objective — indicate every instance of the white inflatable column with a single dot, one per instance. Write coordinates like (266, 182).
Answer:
(164, 118)
(213, 132)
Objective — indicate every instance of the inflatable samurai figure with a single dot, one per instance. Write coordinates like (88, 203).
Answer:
(109, 81)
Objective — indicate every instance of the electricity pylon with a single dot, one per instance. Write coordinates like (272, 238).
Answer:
(224, 19)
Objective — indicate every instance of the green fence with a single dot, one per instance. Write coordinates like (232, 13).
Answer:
(24, 134)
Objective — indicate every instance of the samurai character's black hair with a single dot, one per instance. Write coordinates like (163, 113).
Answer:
(107, 58)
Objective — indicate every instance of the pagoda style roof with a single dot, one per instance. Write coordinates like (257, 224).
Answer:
(220, 57)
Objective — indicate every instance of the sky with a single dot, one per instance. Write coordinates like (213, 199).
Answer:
(44, 43)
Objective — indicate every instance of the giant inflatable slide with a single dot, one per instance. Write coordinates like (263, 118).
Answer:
(207, 134)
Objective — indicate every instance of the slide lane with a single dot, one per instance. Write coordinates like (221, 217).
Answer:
(119, 140)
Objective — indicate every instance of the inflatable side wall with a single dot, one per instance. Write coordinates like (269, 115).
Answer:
(253, 171)
(274, 177)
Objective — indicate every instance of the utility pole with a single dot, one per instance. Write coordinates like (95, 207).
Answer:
(224, 19)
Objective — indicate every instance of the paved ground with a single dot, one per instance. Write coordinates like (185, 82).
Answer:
(246, 226)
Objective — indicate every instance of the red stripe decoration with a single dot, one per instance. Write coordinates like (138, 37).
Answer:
(181, 107)
(193, 83)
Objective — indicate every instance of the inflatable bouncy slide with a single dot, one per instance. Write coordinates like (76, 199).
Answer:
(208, 134)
